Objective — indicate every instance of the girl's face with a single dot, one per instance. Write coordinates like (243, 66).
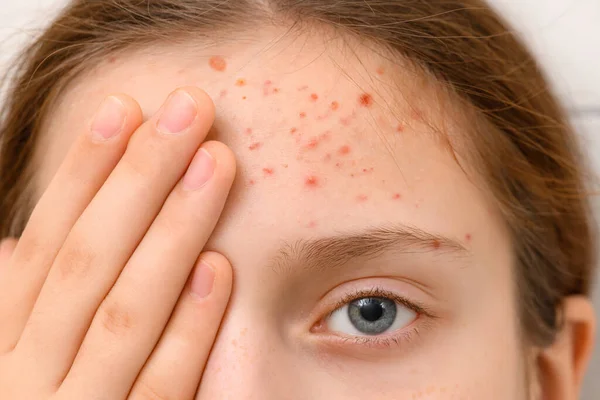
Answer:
(344, 192)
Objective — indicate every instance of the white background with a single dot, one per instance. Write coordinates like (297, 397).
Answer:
(565, 34)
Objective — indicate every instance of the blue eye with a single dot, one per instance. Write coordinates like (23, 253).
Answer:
(370, 316)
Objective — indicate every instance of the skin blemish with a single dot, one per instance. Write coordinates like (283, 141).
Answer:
(302, 115)
(314, 97)
(268, 171)
(436, 244)
(400, 127)
(344, 150)
(251, 182)
(302, 88)
(293, 130)
(248, 131)
(244, 97)
(312, 144)
(267, 87)
(416, 114)
(112, 59)
(312, 224)
(468, 237)
(223, 93)
(311, 182)
(255, 146)
(217, 63)
(240, 82)
(380, 71)
(276, 90)
(396, 196)
(365, 100)
(368, 170)
(334, 105)
(325, 135)
(361, 198)
(327, 157)
(285, 165)
(338, 164)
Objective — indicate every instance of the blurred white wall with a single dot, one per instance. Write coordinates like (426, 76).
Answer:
(565, 34)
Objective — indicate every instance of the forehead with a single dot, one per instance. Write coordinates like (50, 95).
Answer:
(328, 135)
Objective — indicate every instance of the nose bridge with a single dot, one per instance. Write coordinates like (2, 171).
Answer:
(244, 364)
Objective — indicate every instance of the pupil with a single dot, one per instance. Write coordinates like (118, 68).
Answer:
(371, 310)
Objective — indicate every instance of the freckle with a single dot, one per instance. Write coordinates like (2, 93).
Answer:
(248, 131)
(352, 175)
(217, 63)
(334, 105)
(293, 130)
(337, 164)
(365, 100)
(380, 71)
(436, 244)
(302, 115)
(285, 165)
(400, 128)
(268, 171)
(344, 150)
(276, 90)
(223, 93)
(468, 237)
(396, 196)
(244, 97)
(311, 182)
(314, 97)
(301, 88)
(361, 198)
(240, 82)
(255, 146)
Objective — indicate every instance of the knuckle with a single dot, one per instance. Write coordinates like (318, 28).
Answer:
(147, 391)
(75, 259)
(115, 318)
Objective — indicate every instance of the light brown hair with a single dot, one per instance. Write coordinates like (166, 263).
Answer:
(528, 153)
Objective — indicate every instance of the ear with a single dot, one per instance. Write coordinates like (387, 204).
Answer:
(561, 367)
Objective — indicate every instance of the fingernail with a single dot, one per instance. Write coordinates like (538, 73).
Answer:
(178, 114)
(200, 170)
(109, 119)
(203, 280)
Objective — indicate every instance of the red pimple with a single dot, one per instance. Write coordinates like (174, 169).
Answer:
(293, 130)
(361, 198)
(251, 182)
(344, 150)
(312, 144)
(311, 181)
(335, 105)
(365, 100)
(240, 82)
(380, 71)
(248, 131)
(255, 146)
(302, 115)
(314, 97)
(268, 171)
(396, 196)
(436, 244)
(217, 63)
(468, 237)
(312, 224)
(400, 127)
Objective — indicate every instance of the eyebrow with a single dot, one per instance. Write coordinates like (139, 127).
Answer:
(334, 251)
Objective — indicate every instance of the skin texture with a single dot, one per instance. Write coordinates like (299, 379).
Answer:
(332, 140)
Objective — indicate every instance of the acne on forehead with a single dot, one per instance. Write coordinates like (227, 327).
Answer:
(328, 147)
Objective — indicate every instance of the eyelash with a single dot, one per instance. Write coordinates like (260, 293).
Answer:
(383, 341)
